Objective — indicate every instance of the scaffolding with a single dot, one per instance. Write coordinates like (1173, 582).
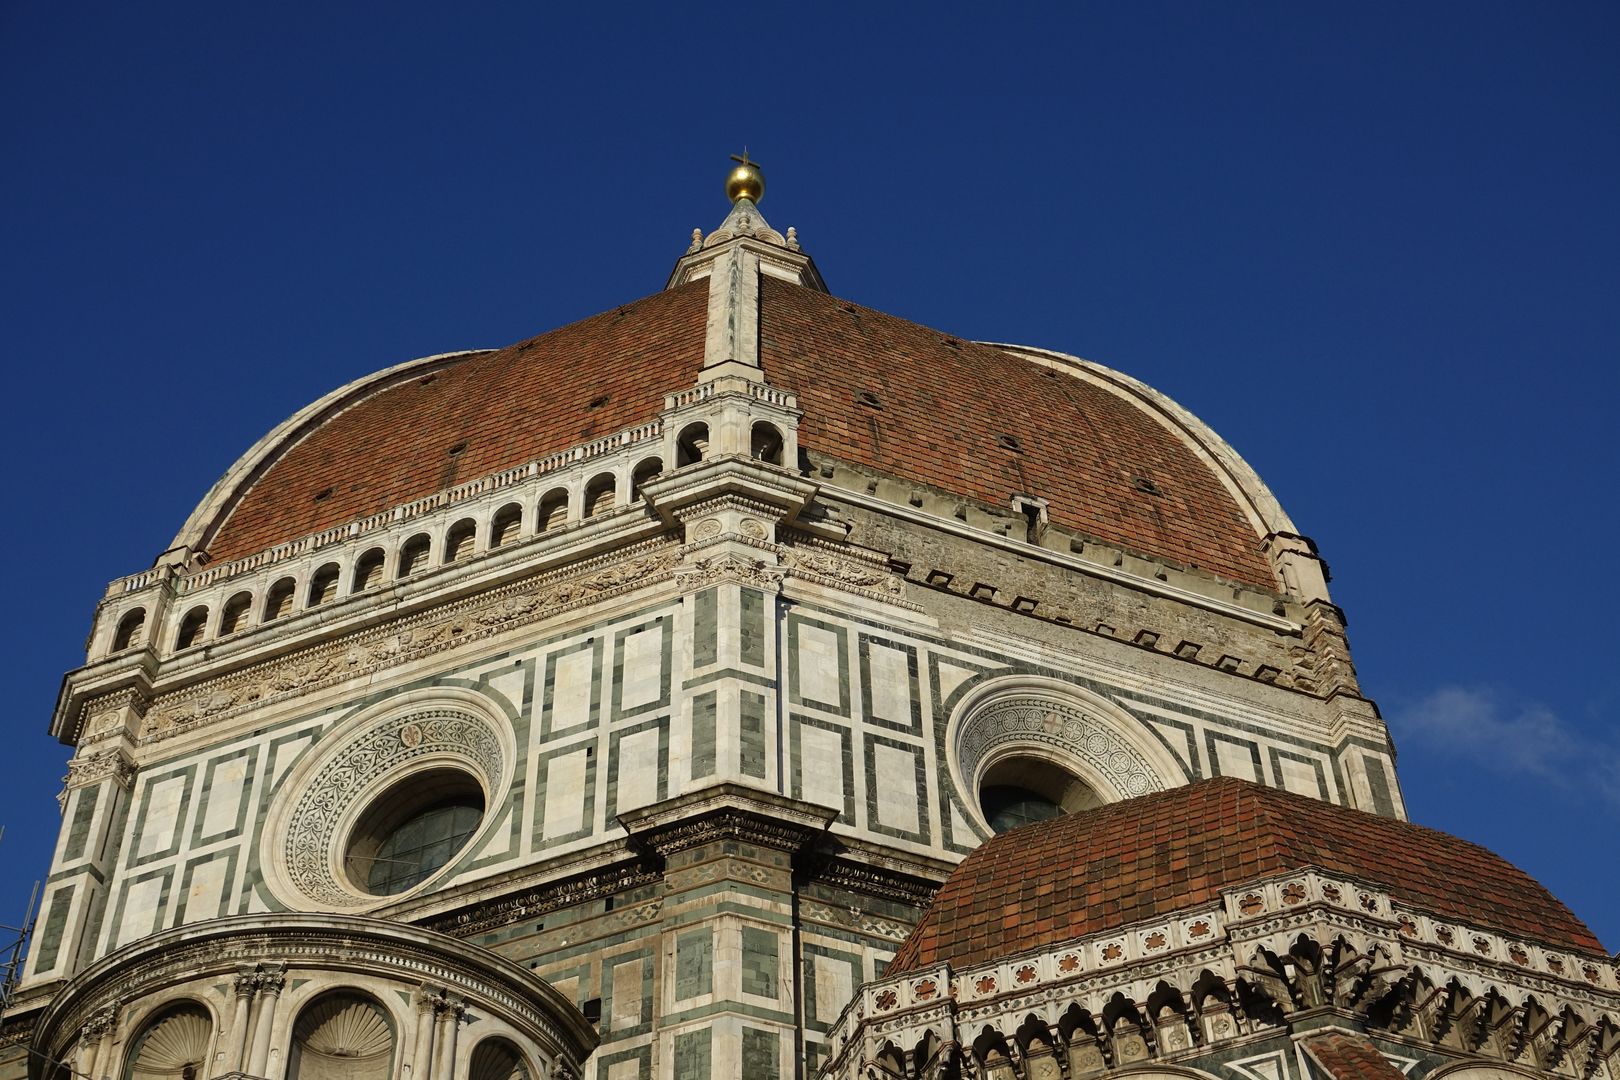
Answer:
(13, 946)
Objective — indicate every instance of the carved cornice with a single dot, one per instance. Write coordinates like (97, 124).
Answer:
(842, 873)
(553, 896)
(275, 946)
(726, 812)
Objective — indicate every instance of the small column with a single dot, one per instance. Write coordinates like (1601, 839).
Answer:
(236, 1052)
(420, 1066)
(93, 1051)
(450, 1014)
(268, 984)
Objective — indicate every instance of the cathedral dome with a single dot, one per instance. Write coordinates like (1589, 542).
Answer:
(1143, 858)
(1113, 460)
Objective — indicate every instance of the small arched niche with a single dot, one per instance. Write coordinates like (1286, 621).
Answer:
(278, 601)
(233, 618)
(414, 555)
(692, 446)
(192, 627)
(173, 1045)
(601, 494)
(342, 1035)
(459, 541)
(131, 630)
(505, 525)
(323, 585)
(553, 512)
(497, 1059)
(765, 442)
(644, 473)
(368, 570)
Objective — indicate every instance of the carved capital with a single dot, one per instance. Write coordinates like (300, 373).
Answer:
(114, 763)
(99, 1023)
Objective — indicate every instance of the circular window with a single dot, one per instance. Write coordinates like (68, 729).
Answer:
(1026, 747)
(413, 830)
(417, 773)
(1018, 790)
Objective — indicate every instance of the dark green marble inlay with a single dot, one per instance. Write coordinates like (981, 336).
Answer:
(704, 707)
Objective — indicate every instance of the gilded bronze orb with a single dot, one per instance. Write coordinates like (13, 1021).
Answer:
(745, 182)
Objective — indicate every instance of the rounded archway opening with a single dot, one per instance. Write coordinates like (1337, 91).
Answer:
(692, 446)
(342, 1036)
(412, 830)
(172, 1046)
(1021, 789)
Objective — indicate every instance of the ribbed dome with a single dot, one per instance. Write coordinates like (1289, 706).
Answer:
(1144, 858)
(937, 412)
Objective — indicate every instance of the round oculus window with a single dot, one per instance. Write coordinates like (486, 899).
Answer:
(1018, 790)
(413, 830)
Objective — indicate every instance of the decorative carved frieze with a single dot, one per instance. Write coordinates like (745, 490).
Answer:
(109, 714)
(448, 627)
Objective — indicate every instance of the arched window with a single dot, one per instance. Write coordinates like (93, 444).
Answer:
(234, 617)
(601, 494)
(323, 586)
(342, 1036)
(647, 470)
(505, 525)
(279, 600)
(172, 1046)
(458, 542)
(765, 443)
(692, 446)
(131, 630)
(497, 1059)
(414, 555)
(368, 571)
(553, 510)
(192, 627)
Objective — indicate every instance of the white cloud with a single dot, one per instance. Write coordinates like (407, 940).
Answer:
(1510, 736)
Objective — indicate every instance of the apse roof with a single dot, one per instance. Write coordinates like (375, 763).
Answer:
(972, 420)
(1144, 858)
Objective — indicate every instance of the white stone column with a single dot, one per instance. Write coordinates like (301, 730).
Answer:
(420, 1065)
(269, 984)
(450, 1014)
(236, 1050)
(93, 1054)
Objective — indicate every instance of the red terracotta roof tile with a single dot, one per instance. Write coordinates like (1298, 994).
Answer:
(1085, 873)
(944, 401)
(519, 403)
(1347, 1057)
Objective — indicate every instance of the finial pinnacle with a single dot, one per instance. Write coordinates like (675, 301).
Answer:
(745, 181)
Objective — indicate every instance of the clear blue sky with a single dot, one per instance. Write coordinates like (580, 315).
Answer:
(1374, 246)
